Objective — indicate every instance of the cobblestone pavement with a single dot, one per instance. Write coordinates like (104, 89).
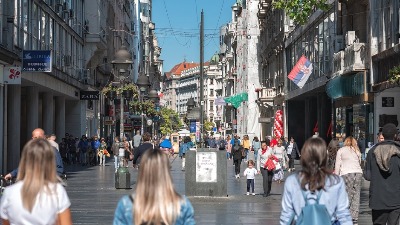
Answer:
(94, 198)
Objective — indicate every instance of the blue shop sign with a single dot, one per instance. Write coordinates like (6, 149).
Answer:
(192, 126)
(36, 60)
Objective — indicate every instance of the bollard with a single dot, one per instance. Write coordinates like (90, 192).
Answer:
(122, 176)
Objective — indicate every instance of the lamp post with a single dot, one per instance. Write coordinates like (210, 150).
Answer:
(153, 96)
(143, 83)
(121, 64)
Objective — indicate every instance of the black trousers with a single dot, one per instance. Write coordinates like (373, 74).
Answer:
(291, 161)
(267, 180)
(250, 183)
(386, 217)
(237, 166)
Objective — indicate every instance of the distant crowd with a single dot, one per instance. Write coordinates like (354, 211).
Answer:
(325, 190)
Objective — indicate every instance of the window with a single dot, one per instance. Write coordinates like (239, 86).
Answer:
(211, 92)
(211, 106)
(211, 81)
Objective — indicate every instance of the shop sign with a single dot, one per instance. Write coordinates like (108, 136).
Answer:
(90, 95)
(36, 60)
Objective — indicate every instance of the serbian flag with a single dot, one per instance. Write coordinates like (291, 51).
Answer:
(301, 71)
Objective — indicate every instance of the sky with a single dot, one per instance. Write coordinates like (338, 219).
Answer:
(177, 25)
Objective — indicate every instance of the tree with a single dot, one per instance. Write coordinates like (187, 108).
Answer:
(300, 10)
(208, 125)
(169, 121)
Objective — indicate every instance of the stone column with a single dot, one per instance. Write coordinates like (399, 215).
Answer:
(32, 109)
(60, 117)
(48, 113)
(13, 126)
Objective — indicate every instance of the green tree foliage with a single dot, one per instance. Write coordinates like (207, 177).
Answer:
(300, 10)
(394, 75)
(147, 107)
(169, 121)
(208, 125)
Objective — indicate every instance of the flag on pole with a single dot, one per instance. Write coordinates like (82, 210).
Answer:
(301, 71)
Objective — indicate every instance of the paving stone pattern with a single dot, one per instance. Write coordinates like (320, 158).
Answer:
(94, 198)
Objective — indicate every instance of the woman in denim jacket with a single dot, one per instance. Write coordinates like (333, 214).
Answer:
(155, 200)
(313, 178)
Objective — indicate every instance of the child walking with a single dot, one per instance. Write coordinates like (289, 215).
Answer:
(250, 173)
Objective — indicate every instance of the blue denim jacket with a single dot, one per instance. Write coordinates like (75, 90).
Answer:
(334, 198)
(124, 214)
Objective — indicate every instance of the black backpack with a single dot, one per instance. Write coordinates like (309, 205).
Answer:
(221, 144)
(236, 145)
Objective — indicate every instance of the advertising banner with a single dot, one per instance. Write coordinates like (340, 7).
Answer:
(36, 61)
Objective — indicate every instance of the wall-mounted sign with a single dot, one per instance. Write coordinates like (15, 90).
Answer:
(387, 101)
(36, 60)
(12, 75)
(206, 167)
(90, 95)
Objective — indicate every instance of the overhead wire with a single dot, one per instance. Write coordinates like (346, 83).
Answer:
(169, 21)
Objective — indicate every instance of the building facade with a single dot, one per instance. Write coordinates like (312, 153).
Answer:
(82, 39)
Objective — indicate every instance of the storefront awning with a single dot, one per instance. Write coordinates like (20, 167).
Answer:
(346, 86)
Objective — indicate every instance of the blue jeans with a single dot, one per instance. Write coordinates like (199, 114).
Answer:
(255, 154)
(228, 155)
(250, 183)
(83, 157)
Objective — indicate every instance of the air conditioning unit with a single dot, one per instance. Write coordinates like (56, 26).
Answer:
(84, 76)
(67, 60)
(58, 2)
(350, 37)
(338, 43)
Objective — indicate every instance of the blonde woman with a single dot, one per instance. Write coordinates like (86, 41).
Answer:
(155, 200)
(246, 146)
(348, 159)
(37, 197)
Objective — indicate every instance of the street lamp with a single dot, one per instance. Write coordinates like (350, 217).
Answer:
(143, 83)
(190, 104)
(153, 96)
(121, 64)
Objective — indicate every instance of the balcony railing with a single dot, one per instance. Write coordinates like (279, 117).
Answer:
(352, 59)
(229, 55)
(231, 28)
(267, 94)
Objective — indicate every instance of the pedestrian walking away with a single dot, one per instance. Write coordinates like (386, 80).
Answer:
(382, 169)
(155, 200)
(237, 155)
(348, 166)
(315, 186)
(37, 198)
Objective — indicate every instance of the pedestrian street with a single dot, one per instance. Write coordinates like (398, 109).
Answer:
(94, 197)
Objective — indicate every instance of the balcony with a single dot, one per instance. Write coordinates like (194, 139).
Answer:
(232, 28)
(352, 59)
(267, 94)
(229, 55)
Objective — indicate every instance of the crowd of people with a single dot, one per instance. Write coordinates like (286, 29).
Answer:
(330, 177)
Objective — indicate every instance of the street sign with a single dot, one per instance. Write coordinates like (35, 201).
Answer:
(36, 60)
(109, 122)
(90, 95)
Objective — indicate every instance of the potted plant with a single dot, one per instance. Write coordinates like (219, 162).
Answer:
(110, 91)
(129, 91)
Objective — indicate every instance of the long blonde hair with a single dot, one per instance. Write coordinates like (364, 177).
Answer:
(352, 143)
(156, 200)
(37, 169)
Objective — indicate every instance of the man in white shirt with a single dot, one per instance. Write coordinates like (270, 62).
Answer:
(137, 139)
